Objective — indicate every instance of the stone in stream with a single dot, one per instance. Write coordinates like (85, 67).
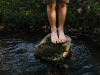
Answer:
(48, 52)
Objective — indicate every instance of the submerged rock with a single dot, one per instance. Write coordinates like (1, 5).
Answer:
(48, 52)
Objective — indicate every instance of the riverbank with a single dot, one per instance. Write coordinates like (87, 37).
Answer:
(91, 34)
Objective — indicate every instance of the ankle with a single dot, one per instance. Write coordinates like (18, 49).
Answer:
(54, 29)
(60, 28)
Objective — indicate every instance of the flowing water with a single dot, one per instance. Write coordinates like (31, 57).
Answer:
(17, 58)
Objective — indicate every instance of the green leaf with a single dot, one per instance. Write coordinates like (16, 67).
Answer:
(91, 36)
(87, 26)
(46, 31)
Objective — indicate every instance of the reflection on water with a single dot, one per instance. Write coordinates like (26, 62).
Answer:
(17, 58)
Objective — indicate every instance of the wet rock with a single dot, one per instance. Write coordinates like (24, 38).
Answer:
(66, 66)
(89, 73)
(48, 52)
(87, 66)
(73, 58)
(74, 37)
(85, 36)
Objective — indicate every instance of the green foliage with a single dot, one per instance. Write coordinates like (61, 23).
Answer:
(31, 15)
(89, 15)
(22, 14)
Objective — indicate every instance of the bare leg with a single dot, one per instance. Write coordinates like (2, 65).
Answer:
(61, 19)
(52, 19)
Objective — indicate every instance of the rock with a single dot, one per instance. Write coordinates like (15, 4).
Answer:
(48, 52)
(84, 36)
(66, 66)
(74, 37)
(73, 58)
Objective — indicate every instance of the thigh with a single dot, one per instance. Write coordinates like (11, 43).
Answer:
(49, 1)
(63, 1)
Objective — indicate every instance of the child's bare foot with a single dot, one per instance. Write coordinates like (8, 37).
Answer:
(62, 37)
(54, 37)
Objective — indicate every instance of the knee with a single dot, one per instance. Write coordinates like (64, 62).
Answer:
(51, 6)
(61, 5)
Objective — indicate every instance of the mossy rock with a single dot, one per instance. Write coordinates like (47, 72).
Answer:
(48, 52)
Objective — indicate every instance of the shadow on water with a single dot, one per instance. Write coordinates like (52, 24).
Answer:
(17, 58)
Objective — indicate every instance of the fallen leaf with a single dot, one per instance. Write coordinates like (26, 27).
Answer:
(80, 4)
(65, 54)
(69, 30)
(49, 27)
(79, 10)
(80, 33)
(1, 47)
(96, 39)
(85, 31)
(89, 7)
(12, 25)
(67, 25)
(71, 5)
(38, 6)
(75, 29)
(45, 26)
(1, 28)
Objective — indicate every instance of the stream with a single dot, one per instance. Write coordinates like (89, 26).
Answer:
(17, 58)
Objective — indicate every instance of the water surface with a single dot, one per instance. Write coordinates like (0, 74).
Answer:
(17, 58)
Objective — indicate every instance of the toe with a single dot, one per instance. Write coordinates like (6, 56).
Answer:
(54, 42)
(59, 41)
(63, 41)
